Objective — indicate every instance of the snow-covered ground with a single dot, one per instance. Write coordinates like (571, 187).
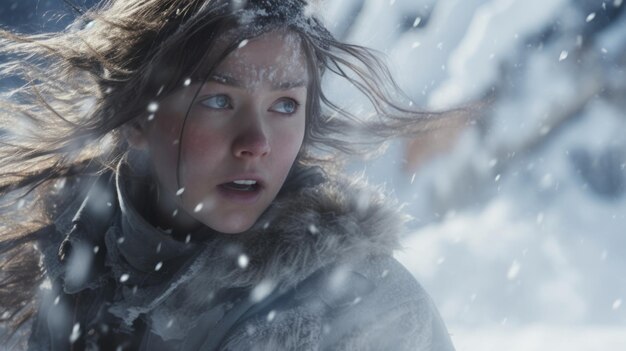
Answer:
(520, 231)
(539, 337)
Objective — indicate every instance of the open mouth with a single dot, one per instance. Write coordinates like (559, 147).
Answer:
(242, 186)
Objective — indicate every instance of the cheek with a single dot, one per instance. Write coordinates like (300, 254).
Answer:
(203, 148)
(200, 137)
(288, 143)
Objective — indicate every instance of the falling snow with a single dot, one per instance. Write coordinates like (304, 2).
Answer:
(243, 261)
(242, 43)
(161, 88)
(540, 217)
(513, 271)
(262, 290)
(313, 229)
(153, 107)
(75, 333)
(198, 207)
(541, 208)
(552, 221)
(617, 304)
(271, 315)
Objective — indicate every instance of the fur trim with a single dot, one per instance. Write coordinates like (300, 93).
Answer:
(319, 225)
(300, 233)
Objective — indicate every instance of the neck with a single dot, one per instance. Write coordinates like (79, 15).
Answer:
(167, 214)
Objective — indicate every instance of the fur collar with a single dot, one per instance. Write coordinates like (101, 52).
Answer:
(333, 221)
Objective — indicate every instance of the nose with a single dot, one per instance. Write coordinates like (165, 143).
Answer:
(251, 140)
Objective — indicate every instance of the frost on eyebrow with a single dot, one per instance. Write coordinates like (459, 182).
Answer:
(287, 69)
(291, 13)
(247, 17)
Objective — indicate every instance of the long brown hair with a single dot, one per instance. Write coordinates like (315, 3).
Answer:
(81, 86)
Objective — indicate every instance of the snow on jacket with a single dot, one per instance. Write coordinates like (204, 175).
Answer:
(314, 273)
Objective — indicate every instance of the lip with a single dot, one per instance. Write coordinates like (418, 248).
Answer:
(244, 197)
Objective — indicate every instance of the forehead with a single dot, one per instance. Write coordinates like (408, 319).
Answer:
(270, 57)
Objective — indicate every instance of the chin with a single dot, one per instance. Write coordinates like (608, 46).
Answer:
(233, 225)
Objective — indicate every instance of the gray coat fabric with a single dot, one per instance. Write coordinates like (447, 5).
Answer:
(314, 273)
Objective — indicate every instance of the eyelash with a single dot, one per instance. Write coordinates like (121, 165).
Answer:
(230, 106)
(211, 98)
(283, 100)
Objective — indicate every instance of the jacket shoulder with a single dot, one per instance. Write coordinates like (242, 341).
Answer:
(396, 314)
(370, 304)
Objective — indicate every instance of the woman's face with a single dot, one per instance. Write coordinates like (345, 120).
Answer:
(241, 137)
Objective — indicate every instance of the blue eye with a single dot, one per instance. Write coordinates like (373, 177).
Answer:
(218, 102)
(285, 106)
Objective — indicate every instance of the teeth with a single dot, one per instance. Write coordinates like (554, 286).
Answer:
(244, 182)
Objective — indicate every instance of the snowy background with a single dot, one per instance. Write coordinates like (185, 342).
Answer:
(520, 219)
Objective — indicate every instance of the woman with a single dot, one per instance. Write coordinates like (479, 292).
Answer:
(184, 192)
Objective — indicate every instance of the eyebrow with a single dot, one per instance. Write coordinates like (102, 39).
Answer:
(228, 79)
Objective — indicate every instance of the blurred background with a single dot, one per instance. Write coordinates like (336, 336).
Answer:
(520, 218)
(519, 230)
